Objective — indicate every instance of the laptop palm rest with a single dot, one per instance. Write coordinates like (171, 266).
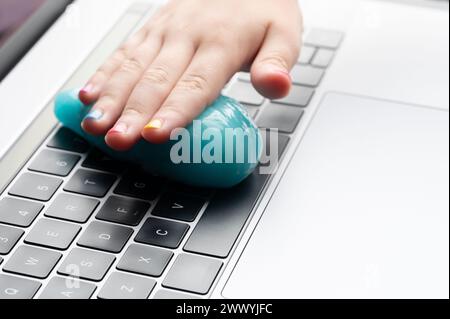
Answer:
(362, 210)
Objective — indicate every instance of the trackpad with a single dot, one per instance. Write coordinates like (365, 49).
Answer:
(362, 211)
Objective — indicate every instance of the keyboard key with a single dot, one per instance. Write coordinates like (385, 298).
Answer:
(18, 212)
(100, 161)
(306, 75)
(17, 288)
(179, 206)
(245, 76)
(72, 208)
(140, 185)
(125, 286)
(190, 190)
(86, 264)
(251, 110)
(52, 234)
(125, 211)
(192, 274)
(32, 261)
(306, 54)
(226, 215)
(244, 92)
(324, 38)
(172, 295)
(162, 233)
(90, 183)
(55, 163)
(34, 186)
(284, 118)
(67, 288)
(8, 238)
(298, 96)
(66, 140)
(323, 58)
(145, 260)
(106, 237)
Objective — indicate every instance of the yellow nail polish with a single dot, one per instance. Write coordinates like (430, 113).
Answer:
(154, 124)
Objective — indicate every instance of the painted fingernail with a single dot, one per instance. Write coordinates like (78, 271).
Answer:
(120, 128)
(94, 115)
(155, 124)
(87, 89)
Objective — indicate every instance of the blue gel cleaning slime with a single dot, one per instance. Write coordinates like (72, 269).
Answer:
(220, 149)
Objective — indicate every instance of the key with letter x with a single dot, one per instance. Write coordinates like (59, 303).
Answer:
(145, 260)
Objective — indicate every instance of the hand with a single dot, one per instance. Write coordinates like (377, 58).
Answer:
(164, 76)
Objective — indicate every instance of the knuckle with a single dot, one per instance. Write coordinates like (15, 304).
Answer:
(193, 82)
(156, 76)
(132, 65)
(275, 58)
(134, 109)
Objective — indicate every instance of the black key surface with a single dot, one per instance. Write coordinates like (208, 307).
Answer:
(8, 238)
(67, 288)
(86, 264)
(192, 274)
(145, 260)
(162, 233)
(124, 211)
(90, 183)
(65, 139)
(19, 212)
(282, 117)
(298, 96)
(17, 288)
(140, 185)
(179, 206)
(125, 286)
(52, 234)
(34, 186)
(99, 160)
(190, 190)
(106, 237)
(72, 208)
(32, 261)
(226, 215)
(55, 163)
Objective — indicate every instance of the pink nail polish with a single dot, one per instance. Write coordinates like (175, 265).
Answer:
(119, 128)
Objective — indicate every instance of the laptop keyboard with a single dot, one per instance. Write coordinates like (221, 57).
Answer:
(77, 224)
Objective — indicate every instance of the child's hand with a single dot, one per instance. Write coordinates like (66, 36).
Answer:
(164, 76)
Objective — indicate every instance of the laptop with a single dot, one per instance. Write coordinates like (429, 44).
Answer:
(358, 206)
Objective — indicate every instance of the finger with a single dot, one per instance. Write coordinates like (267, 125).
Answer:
(117, 90)
(271, 69)
(91, 91)
(151, 92)
(199, 86)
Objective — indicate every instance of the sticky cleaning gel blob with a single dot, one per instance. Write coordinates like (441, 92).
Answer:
(219, 149)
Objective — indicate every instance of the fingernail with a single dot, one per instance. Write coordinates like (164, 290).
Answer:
(87, 89)
(155, 124)
(94, 115)
(120, 128)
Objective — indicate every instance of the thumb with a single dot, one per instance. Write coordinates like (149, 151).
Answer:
(271, 68)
